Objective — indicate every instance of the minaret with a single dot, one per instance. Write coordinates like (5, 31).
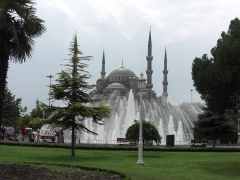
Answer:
(103, 73)
(149, 63)
(165, 73)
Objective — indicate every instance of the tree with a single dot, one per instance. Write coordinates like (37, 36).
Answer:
(36, 118)
(150, 133)
(40, 111)
(214, 126)
(12, 109)
(19, 26)
(23, 121)
(72, 88)
(38, 115)
(217, 79)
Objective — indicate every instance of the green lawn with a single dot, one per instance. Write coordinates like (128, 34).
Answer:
(158, 165)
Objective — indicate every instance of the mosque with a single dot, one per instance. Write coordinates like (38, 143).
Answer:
(122, 80)
(132, 97)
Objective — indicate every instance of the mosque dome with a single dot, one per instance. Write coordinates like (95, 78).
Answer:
(120, 74)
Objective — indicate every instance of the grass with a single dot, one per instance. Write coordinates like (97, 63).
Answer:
(158, 165)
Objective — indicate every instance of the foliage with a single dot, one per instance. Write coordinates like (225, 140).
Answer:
(36, 118)
(23, 121)
(213, 127)
(29, 121)
(36, 123)
(12, 109)
(38, 115)
(217, 79)
(19, 26)
(150, 133)
(40, 111)
(72, 88)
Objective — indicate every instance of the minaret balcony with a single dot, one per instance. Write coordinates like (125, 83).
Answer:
(149, 58)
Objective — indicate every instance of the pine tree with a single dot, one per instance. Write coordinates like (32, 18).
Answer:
(73, 89)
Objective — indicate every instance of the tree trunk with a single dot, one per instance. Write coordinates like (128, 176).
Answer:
(73, 142)
(4, 61)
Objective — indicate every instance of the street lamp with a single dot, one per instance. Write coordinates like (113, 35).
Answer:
(140, 139)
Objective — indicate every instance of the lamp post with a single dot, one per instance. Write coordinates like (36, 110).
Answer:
(140, 139)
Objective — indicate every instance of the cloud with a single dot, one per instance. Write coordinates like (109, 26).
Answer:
(182, 17)
(61, 5)
(188, 28)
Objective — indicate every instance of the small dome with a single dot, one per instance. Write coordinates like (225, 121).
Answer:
(115, 86)
(120, 74)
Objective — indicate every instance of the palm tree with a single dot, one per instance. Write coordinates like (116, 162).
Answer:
(19, 26)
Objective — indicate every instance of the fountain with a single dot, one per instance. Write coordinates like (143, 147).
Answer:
(171, 129)
(161, 132)
(180, 135)
(130, 112)
(167, 118)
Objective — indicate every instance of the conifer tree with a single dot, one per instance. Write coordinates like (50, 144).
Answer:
(73, 89)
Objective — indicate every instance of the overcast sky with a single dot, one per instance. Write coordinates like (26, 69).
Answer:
(187, 28)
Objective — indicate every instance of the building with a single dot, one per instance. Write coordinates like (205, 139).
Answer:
(122, 79)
